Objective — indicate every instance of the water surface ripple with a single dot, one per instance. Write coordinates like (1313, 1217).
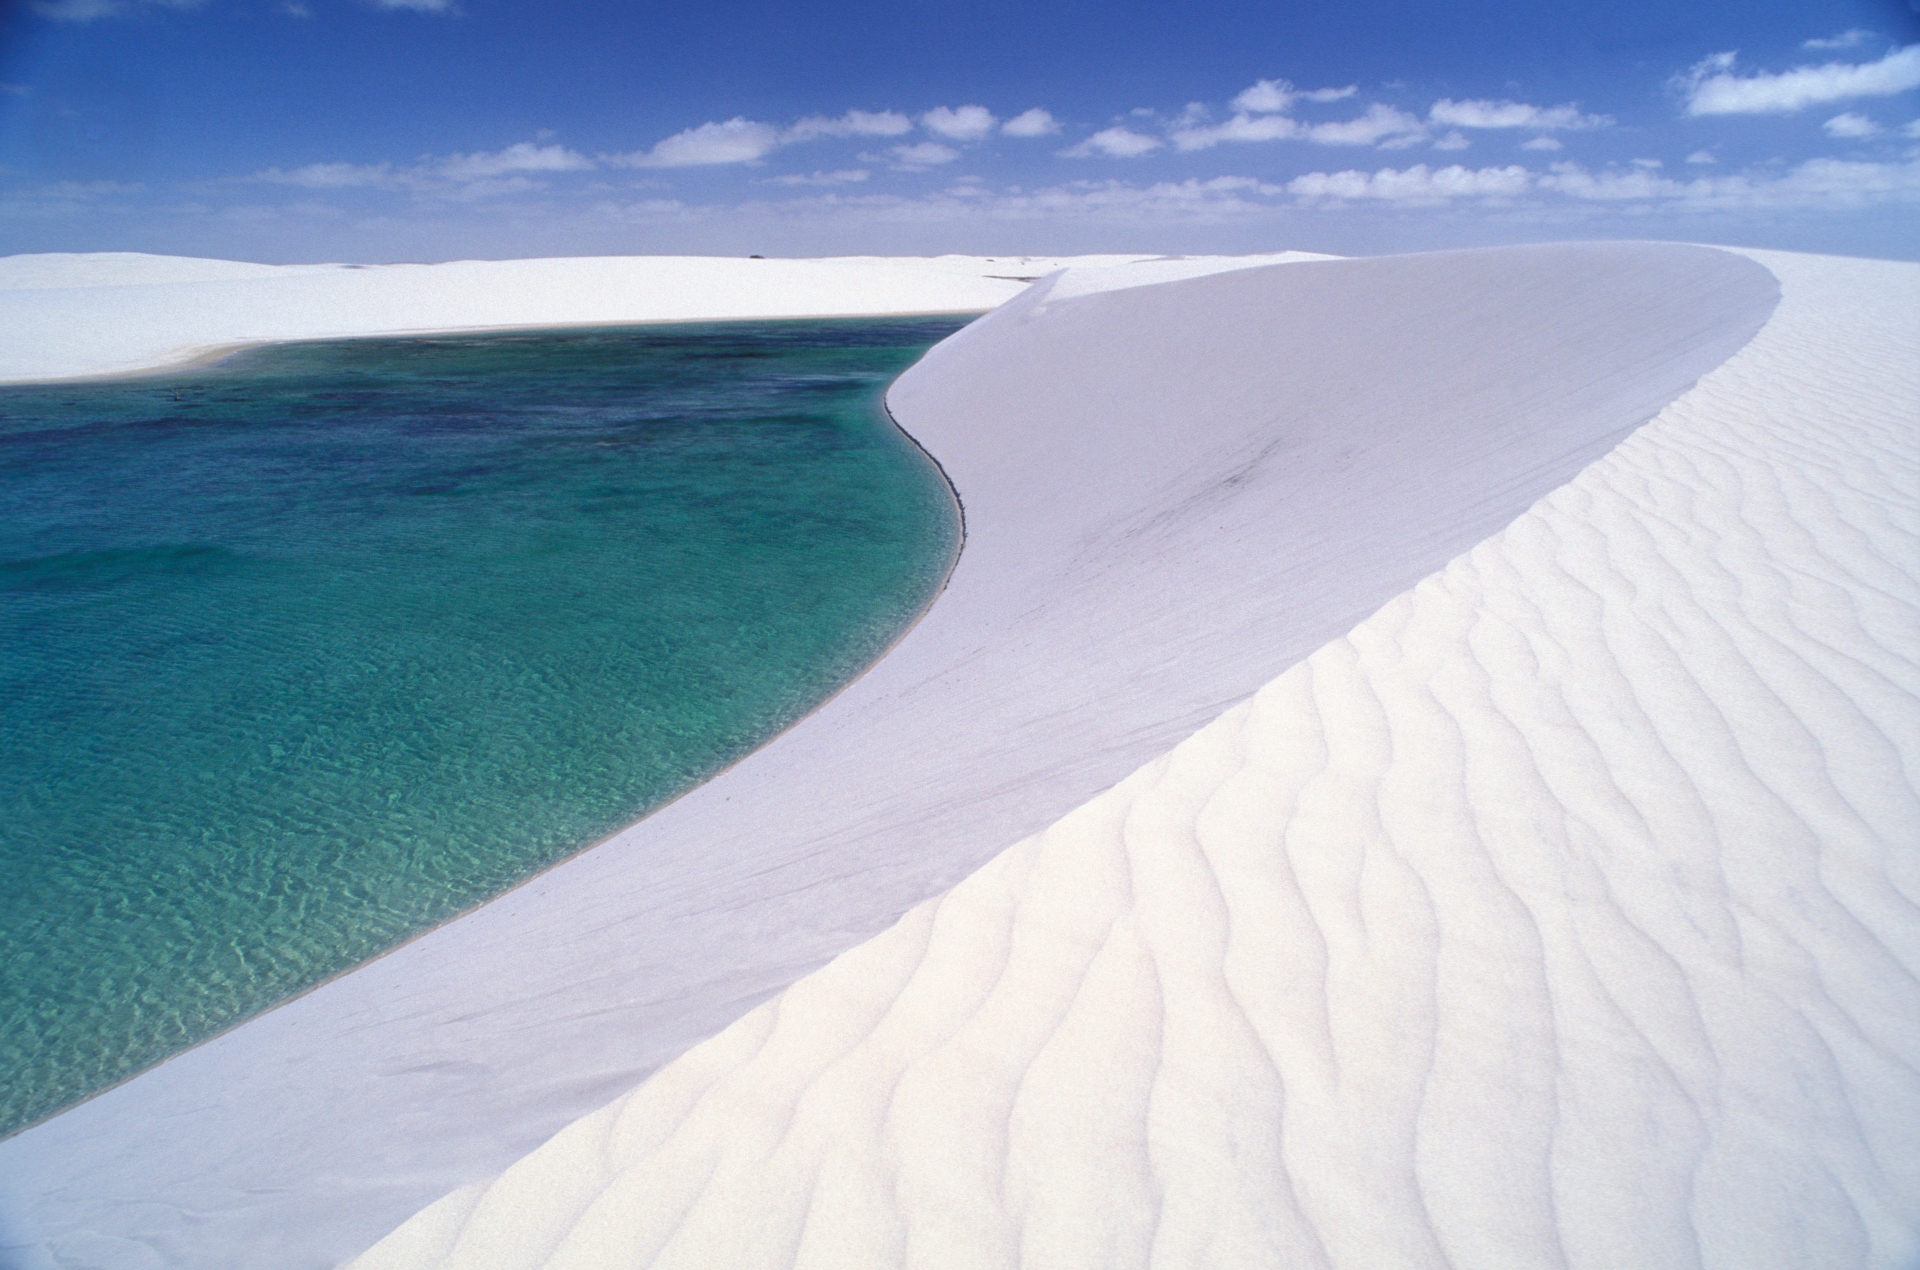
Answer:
(306, 653)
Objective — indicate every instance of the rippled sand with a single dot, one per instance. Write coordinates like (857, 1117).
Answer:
(1561, 912)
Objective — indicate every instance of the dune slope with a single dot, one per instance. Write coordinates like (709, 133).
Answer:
(1561, 913)
(1173, 494)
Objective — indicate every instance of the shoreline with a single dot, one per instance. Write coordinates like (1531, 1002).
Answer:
(1139, 581)
(213, 355)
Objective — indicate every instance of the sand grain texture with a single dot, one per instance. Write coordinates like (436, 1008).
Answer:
(1562, 913)
(1174, 493)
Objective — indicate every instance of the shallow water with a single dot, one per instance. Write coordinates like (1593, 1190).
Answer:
(306, 653)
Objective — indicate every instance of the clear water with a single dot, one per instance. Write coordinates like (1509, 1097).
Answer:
(306, 653)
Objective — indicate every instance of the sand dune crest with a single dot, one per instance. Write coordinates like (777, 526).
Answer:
(1562, 913)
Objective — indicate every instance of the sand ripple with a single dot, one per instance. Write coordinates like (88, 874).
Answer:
(1562, 913)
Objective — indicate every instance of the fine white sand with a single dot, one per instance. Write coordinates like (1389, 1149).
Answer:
(1561, 913)
(68, 316)
(1174, 493)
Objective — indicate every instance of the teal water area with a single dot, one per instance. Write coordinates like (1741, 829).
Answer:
(306, 653)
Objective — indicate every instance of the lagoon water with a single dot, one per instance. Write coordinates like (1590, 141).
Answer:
(308, 652)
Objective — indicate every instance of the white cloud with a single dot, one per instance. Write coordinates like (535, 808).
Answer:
(1702, 156)
(1542, 142)
(1209, 202)
(1241, 127)
(1614, 185)
(742, 140)
(855, 123)
(524, 156)
(1380, 125)
(1031, 123)
(1452, 141)
(1267, 96)
(1851, 125)
(738, 140)
(458, 176)
(1713, 89)
(967, 123)
(846, 176)
(1911, 130)
(1418, 184)
(1818, 184)
(927, 154)
(1114, 143)
(419, 6)
(1512, 114)
(1271, 96)
(1844, 40)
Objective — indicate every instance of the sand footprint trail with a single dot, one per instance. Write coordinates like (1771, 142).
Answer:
(1561, 913)
(1174, 493)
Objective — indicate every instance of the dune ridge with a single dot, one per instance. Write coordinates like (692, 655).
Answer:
(1173, 493)
(1562, 913)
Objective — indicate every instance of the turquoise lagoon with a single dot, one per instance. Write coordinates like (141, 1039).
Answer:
(308, 652)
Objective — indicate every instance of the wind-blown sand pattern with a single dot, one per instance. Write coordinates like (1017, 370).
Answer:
(1562, 913)
(1174, 494)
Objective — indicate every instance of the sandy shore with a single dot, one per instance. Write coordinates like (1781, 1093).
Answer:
(1562, 912)
(111, 315)
(1175, 493)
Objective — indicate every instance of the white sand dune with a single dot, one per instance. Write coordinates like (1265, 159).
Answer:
(68, 316)
(1562, 913)
(1174, 493)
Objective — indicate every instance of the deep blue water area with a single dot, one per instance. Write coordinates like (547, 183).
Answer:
(305, 653)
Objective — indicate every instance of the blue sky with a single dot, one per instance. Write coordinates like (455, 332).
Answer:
(376, 130)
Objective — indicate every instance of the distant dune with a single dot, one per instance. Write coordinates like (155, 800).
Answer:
(69, 316)
(1538, 887)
